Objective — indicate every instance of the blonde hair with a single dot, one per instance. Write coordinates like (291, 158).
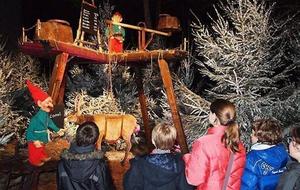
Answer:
(164, 136)
(226, 113)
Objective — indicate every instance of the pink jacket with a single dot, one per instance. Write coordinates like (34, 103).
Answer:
(207, 163)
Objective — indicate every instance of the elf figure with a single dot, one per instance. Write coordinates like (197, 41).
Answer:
(37, 132)
(115, 34)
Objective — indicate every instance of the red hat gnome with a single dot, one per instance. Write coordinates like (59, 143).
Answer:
(36, 92)
(37, 131)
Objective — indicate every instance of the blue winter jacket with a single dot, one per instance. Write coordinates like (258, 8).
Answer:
(264, 165)
(156, 172)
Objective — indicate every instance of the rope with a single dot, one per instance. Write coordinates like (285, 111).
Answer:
(27, 29)
(110, 90)
(151, 64)
(160, 55)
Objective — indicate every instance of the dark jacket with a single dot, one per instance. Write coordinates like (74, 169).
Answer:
(264, 165)
(290, 179)
(156, 172)
(83, 168)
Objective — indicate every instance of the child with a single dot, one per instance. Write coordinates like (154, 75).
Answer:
(37, 132)
(82, 167)
(290, 179)
(217, 159)
(161, 169)
(115, 34)
(267, 158)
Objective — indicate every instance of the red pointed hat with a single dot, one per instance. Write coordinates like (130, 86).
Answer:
(36, 92)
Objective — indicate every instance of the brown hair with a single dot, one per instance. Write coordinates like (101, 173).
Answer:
(295, 132)
(87, 134)
(117, 14)
(164, 136)
(225, 112)
(267, 131)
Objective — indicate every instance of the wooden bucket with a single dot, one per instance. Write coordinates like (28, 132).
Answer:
(58, 30)
(168, 23)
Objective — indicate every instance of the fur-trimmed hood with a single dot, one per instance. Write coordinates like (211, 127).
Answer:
(66, 154)
(80, 163)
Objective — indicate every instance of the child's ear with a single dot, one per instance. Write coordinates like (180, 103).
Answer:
(212, 118)
(153, 143)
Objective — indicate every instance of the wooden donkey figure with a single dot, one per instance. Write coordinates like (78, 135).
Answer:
(111, 126)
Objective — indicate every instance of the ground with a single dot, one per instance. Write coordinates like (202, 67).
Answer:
(14, 165)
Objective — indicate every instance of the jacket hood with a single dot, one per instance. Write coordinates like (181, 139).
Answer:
(81, 162)
(293, 165)
(272, 158)
(165, 166)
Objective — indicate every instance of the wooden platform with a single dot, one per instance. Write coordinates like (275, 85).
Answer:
(64, 52)
(54, 48)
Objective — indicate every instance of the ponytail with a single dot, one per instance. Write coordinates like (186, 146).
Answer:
(226, 113)
(231, 136)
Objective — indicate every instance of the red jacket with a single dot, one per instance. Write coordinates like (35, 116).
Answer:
(207, 163)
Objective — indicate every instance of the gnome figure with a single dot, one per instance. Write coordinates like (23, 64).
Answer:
(37, 132)
(115, 34)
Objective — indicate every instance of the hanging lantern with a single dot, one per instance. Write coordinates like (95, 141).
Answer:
(168, 23)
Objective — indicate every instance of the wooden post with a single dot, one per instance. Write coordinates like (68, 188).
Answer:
(62, 90)
(143, 40)
(167, 81)
(57, 76)
(143, 103)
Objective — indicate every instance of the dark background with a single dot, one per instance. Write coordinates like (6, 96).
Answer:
(17, 13)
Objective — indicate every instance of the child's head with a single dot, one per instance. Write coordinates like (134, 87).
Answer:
(87, 134)
(163, 136)
(267, 131)
(117, 17)
(294, 146)
(222, 112)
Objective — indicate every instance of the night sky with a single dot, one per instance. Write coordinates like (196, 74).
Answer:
(17, 13)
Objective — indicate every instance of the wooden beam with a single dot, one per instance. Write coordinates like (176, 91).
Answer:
(143, 103)
(167, 81)
(57, 76)
(53, 48)
(62, 89)
(139, 28)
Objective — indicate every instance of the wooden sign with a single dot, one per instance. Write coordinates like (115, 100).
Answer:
(57, 115)
(90, 16)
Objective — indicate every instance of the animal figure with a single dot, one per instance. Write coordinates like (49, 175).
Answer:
(111, 127)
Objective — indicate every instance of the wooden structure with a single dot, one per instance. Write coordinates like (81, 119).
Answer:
(88, 24)
(54, 29)
(168, 23)
(62, 51)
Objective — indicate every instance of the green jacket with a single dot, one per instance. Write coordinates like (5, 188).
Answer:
(37, 129)
(116, 30)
